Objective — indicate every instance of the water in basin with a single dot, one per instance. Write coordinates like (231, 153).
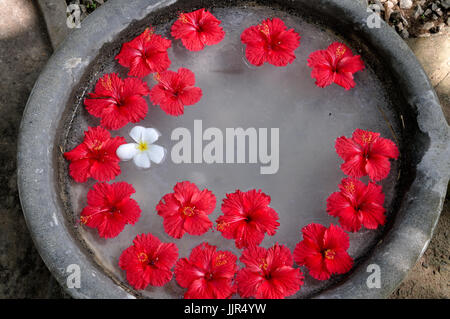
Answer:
(235, 94)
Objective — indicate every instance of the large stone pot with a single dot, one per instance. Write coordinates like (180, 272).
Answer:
(409, 109)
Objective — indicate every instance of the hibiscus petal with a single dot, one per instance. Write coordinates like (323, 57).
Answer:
(248, 282)
(167, 256)
(314, 233)
(104, 171)
(204, 201)
(80, 170)
(148, 261)
(255, 54)
(287, 280)
(346, 148)
(174, 226)
(335, 238)
(186, 272)
(130, 211)
(110, 226)
(224, 264)
(373, 216)
(317, 267)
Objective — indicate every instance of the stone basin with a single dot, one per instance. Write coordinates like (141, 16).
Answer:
(392, 96)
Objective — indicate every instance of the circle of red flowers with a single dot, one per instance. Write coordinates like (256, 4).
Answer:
(246, 216)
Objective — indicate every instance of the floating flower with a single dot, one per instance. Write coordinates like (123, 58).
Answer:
(357, 204)
(109, 208)
(366, 153)
(268, 273)
(247, 217)
(323, 251)
(148, 261)
(95, 157)
(143, 151)
(335, 64)
(207, 274)
(145, 54)
(118, 102)
(270, 41)
(197, 29)
(175, 90)
(186, 210)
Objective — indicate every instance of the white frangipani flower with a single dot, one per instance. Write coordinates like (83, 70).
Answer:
(143, 151)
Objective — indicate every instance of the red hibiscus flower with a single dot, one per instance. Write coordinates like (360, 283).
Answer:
(110, 208)
(197, 29)
(270, 41)
(335, 64)
(186, 210)
(268, 273)
(175, 90)
(323, 251)
(118, 102)
(247, 217)
(357, 204)
(366, 153)
(95, 157)
(145, 54)
(148, 261)
(207, 274)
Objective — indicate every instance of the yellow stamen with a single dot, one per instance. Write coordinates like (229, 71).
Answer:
(350, 187)
(263, 28)
(221, 260)
(148, 33)
(84, 219)
(222, 225)
(107, 84)
(183, 18)
(367, 138)
(188, 211)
